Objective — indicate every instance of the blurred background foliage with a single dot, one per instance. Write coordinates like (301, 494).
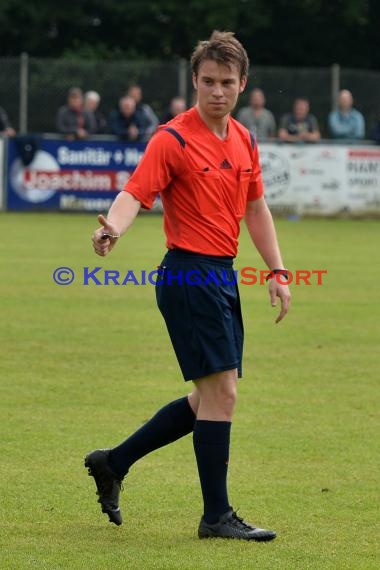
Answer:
(274, 32)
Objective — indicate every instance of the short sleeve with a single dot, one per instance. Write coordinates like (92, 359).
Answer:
(161, 162)
(242, 117)
(284, 122)
(272, 124)
(256, 185)
(314, 123)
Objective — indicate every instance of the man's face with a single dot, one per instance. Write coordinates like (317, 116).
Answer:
(136, 93)
(127, 106)
(75, 102)
(345, 101)
(178, 105)
(257, 99)
(218, 87)
(301, 109)
(91, 104)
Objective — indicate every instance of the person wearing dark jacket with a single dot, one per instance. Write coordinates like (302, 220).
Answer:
(144, 111)
(124, 122)
(72, 120)
(91, 104)
(177, 105)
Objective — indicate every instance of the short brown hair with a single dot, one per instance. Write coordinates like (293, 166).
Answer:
(75, 92)
(223, 48)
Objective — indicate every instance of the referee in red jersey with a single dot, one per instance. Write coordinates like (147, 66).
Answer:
(205, 165)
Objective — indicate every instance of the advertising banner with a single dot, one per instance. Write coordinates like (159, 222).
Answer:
(304, 179)
(321, 179)
(300, 179)
(62, 175)
(363, 180)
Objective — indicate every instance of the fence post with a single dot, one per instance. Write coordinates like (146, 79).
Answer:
(23, 112)
(182, 78)
(335, 85)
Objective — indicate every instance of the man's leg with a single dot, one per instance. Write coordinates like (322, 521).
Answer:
(217, 394)
(109, 466)
(194, 400)
(170, 423)
(217, 397)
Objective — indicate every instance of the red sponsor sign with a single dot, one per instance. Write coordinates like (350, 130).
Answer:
(84, 180)
(367, 153)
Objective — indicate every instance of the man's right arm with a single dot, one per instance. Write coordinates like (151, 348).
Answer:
(337, 129)
(283, 133)
(163, 159)
(243, 117)
(120, 217)
(272, 130)
(116, 125)
(65, 125)
(359, 126)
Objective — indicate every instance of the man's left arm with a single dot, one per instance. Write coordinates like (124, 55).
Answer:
(359, 126)
(152, 118)
(314, 134)
(261, 228)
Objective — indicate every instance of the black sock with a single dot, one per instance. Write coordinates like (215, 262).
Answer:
(169, 424)
(211, 446)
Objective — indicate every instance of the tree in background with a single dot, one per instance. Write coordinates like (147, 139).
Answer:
(275, 32)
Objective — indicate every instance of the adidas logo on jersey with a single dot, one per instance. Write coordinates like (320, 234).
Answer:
(225, 164)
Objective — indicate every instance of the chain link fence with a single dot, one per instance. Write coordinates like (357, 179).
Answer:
(10, 88)
(32, 89)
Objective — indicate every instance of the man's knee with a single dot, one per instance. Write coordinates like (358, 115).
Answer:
(193, 398)
(225, 395)
(219, 391)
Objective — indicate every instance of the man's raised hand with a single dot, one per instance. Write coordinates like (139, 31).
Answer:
(105, 237)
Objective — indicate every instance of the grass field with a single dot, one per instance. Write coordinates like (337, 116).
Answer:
(83, 366)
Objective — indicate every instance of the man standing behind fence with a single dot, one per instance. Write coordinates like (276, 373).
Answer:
(145, 113)
(125, 122)
(91, 105)
(72, 119)
(258, 120)
(300, 125)
(346, 122)
(206, 167)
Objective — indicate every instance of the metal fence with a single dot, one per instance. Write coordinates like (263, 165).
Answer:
(32, 89)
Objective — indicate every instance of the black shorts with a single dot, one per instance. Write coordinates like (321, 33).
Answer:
(199, 299)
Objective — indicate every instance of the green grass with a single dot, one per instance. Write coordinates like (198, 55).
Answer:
(83, 366)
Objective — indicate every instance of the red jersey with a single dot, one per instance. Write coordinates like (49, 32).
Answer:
(204, 182)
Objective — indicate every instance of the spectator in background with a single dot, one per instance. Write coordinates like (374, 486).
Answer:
(6, 128)
(258, 120)
(91, 104)
(176, 106)
(72, 119)
(300, 125)
(346, 122)
(125, 122)
(147, 117)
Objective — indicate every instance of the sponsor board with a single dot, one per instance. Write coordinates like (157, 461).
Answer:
(62, 175)
(363, 180)
(321, 179)
(300, 179)
(303, 179)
